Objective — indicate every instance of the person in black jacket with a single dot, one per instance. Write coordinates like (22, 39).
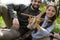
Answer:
(20, 22)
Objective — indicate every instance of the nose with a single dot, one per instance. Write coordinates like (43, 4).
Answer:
(50, 11)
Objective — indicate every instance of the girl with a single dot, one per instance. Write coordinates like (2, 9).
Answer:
(46, 26)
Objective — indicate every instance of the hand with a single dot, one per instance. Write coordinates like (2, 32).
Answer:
(56, 35)
(39, 20)
(31, 22)
(37, 26)
(15, 24)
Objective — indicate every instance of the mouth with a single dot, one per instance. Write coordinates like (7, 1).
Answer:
(49, 15)
(36, 6)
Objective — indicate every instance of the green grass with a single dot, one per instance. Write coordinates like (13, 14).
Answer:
(42, 8)
(57, 25)
(2, 24)
(56, 28)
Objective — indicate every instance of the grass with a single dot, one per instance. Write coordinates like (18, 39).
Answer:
(57, 25)
(42, 8)
(2, 24)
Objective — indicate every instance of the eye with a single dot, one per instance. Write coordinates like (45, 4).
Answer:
(48, 9)
(53, 10)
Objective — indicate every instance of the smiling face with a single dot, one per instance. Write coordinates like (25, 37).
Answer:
(36, 3)
(50, 11)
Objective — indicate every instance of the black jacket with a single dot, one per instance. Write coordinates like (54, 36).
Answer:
(23, 20)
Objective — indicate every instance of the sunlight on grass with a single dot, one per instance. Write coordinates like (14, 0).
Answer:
(2, 24)
(57, 25)
(42, 8)
(56, 28)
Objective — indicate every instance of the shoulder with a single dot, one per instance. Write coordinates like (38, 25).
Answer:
(10, 5)
(22, 7)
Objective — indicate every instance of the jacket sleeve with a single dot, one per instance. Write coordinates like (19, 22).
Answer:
(46, 31)
(12, 11)
(20, 7)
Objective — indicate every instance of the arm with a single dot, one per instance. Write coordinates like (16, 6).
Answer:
(12, 11)
(12, 8)
(46, 31)
(13, 15)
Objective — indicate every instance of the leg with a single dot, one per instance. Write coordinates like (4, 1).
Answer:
(44, 38)
(6, 16)
(28, 38)
(0, 9)
(35, 39)
(8, 34)
(0, 14)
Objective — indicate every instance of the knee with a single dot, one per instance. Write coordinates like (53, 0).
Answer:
(3, 8)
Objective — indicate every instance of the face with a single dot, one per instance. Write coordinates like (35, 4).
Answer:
(36, 3)
(50, 11)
